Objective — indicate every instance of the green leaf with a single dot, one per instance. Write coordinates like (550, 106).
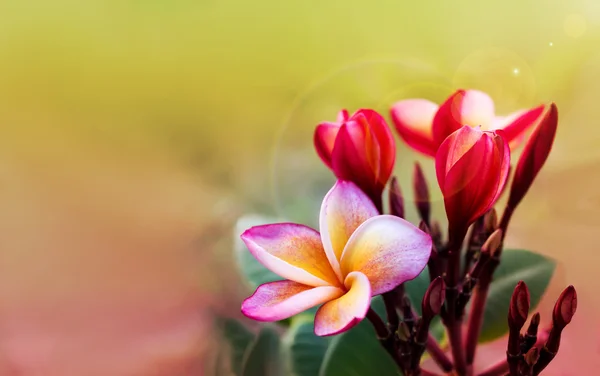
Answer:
(239, 339)
(378, 306)
(516, 265)
(304, 351)
(254, 272)
(357, 352)
(264, 357)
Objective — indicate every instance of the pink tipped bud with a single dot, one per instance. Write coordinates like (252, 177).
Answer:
(534, 324)
(565, 307)
(534, 156)
(530, 337)
(434, 298)
(490, 221)
(532, 356)
(404, 332)
(396, 199)
(492, 243)
(421, 193)
(519, 307)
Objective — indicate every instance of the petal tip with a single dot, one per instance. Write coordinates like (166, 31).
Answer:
(325, 333)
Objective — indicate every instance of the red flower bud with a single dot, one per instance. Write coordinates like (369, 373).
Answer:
(434, 298)
(534, 156)
(396, 199)
(519, 307)
(359, 148)
(565, 307)
(421, 193)
(472, 168)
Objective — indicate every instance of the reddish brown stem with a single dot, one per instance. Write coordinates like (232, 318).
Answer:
(378, 324)
(506, 216)
(438, 355)
(390, 301)
(476, 316)
(498, 369)
(453, 319)
(424, 372)
(456, 344)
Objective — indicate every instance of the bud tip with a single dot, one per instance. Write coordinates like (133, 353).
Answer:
(565, 307)
(519, 306)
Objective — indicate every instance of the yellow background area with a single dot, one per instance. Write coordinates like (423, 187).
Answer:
(134, 133)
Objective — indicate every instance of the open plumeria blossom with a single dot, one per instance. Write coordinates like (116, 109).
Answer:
(361, 252)
(357, 255)
(424, 125)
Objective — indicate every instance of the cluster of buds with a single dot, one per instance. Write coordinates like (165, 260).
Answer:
(362, 252)
(530, 353)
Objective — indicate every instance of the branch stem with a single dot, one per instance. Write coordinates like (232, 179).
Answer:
(476, 316)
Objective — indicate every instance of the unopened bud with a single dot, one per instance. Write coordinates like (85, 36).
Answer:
(421, 193)
(407, 312)
(534, 324)
(530, 337)
(493, 242)
(436, 231)
(532, 356)
(396, 199)
(434, 298)
(519, 307)
(534, 156)
(490, 221)
(404, 333)
(565, 308)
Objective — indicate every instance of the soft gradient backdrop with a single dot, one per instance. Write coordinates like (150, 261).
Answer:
(135, 132)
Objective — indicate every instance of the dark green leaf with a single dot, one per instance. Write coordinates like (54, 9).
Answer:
(264, 358)
(357, 352)
(239, 339)
(516, 265)
(304, 350)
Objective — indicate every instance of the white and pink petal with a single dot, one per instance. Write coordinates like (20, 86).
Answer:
(477, 109)
(413, 119)
(292, 251)
(280, 300)
(388, 250)
(346, 311)
(344, 208)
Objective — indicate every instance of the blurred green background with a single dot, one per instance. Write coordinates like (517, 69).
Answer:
(134, 133)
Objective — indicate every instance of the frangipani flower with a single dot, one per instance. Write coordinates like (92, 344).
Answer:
(424, 125)
(472, 168)
(358, 148)
(357, 255)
